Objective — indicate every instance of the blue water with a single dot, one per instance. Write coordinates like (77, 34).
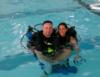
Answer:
(16, 15)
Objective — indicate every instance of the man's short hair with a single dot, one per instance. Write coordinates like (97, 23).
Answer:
(47, 21)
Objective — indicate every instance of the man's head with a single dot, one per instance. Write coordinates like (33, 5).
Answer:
(47, 28)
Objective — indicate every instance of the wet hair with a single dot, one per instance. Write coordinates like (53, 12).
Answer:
(47, 21)
(64, 24)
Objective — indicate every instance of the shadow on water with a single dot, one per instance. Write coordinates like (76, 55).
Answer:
(64, 70)
(11, 62)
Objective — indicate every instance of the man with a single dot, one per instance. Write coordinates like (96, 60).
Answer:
(44, 42)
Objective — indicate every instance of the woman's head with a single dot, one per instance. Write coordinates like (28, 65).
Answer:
(62, 29)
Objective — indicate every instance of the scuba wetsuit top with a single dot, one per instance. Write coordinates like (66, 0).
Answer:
(43, 44)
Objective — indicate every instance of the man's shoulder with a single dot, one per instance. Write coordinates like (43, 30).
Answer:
(37, 33)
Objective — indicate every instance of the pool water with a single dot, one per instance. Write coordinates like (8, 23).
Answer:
(16, 15)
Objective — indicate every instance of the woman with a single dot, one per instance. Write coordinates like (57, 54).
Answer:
(67, 40)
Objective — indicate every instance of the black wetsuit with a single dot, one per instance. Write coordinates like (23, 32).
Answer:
(64, 41)
(42, 43)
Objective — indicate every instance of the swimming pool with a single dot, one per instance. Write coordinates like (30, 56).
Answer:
(16, 15)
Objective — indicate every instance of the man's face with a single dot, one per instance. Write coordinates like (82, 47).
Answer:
(47, 29)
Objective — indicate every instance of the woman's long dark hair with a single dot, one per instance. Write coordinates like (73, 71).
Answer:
(64, 24)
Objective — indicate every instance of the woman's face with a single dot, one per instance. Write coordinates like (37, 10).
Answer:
(62, 30)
